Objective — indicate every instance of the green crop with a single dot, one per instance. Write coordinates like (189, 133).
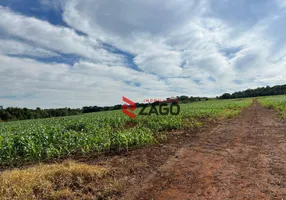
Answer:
(37, 140)
(277, 103)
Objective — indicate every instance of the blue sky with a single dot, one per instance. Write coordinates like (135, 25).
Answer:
(74, 53)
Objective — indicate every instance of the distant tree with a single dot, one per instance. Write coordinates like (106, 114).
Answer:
(225, 96)
(260, 91)
(182, 98)
(192, 99)
(6, 116)
(117, 107)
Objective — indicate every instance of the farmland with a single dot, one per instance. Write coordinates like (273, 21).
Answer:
(43, 139)
(277, 103)
(188, 156)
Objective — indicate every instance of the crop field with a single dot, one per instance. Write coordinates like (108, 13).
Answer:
(42, 139)
(277, 103)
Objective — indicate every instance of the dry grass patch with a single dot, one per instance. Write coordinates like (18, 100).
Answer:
(69, 180)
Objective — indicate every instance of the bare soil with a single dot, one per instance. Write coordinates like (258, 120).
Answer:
(243, 158)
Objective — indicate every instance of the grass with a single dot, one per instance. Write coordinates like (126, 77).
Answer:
(69, 180)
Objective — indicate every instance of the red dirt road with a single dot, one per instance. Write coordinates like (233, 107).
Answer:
(243, 158)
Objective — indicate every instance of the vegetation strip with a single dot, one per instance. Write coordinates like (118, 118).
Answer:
(277, 103)
(69, 180)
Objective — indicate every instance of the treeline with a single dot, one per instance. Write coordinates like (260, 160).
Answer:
(14, 113)
(89, 109)
(261, 91)
(186, 99)
(10, 113)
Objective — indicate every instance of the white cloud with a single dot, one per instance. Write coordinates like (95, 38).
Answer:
(51, 4)
(55, 38)
(13, 47)
(179, 34)
(164, 63)
(182, 47)
(82, 84)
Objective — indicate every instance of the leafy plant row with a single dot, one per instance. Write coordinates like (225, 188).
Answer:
(37, 140)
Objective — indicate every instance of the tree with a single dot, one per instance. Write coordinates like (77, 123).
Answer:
(6, 116)
(225, 96)
(261, 91)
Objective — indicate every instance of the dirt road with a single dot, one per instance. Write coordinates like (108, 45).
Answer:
(244, 158)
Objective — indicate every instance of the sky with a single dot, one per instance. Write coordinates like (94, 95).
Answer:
(75, 53)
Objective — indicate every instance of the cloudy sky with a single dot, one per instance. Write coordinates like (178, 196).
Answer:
(73, 53)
